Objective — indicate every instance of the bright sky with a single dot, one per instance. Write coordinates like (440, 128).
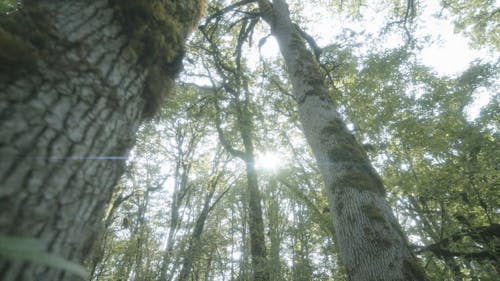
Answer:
(448, 53)
(268, 161)
(452, 54)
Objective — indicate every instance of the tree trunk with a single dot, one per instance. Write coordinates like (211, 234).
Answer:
(76, 80)
(275, 231)
(258, 249)
(194, 241)
(181, 188)
(371, 244)
(256, 226)
(241, 98)
(255, 221)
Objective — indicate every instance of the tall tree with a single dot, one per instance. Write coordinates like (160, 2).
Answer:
(236, 87)
(195, 245)
(76, 80)
(255, 217)
(187, 138)
(371, 243)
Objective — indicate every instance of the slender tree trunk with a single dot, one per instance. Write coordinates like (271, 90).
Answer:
(256, 226)
(245, 128)
(245, 264)
(301, 268)
(255, 221)
(194, 242)
(179, 186)
(275, 235)
(75, 85)
(186, 143)
(371, 244)
(142, 234)
(193, 250)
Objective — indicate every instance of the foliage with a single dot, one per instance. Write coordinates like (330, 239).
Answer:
(478, 19)
(437, 161)
(8, 5)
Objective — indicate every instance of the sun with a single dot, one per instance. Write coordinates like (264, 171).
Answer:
(269, 161)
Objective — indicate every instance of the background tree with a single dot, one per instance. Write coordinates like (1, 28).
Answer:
(356, 192)
(235, 85)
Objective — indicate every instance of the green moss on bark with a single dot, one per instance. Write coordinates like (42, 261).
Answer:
(346, 152)
(157, 31)
(361, 177)
(339, 206)
(373, 213)
(378, 240)
(24, 38)
(15, 50)
(350, 156)
(335, 126)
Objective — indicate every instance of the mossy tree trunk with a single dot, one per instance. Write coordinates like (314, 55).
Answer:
(258, 250)
(370, 241)
(237, 89)
(76, 81)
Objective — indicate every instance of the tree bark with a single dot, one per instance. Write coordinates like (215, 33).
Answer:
(186, 142)
(258, 249)
(255, 219)
(194, 246)
(241, 98)
(75, 83)
(371, 244)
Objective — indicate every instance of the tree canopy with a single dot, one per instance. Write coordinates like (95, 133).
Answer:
(437, 158)
(185, 210)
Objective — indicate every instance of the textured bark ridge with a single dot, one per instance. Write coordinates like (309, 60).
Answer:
(371, 244)
(76, 80)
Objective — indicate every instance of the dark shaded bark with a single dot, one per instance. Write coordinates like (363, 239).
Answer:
(74, 87)
(97, 254)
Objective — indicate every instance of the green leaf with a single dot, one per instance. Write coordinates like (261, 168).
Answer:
(33, 250)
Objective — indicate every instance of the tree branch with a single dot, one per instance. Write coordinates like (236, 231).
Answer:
(228, 8)
(310, 40)
(478, 233)
(227, 146)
